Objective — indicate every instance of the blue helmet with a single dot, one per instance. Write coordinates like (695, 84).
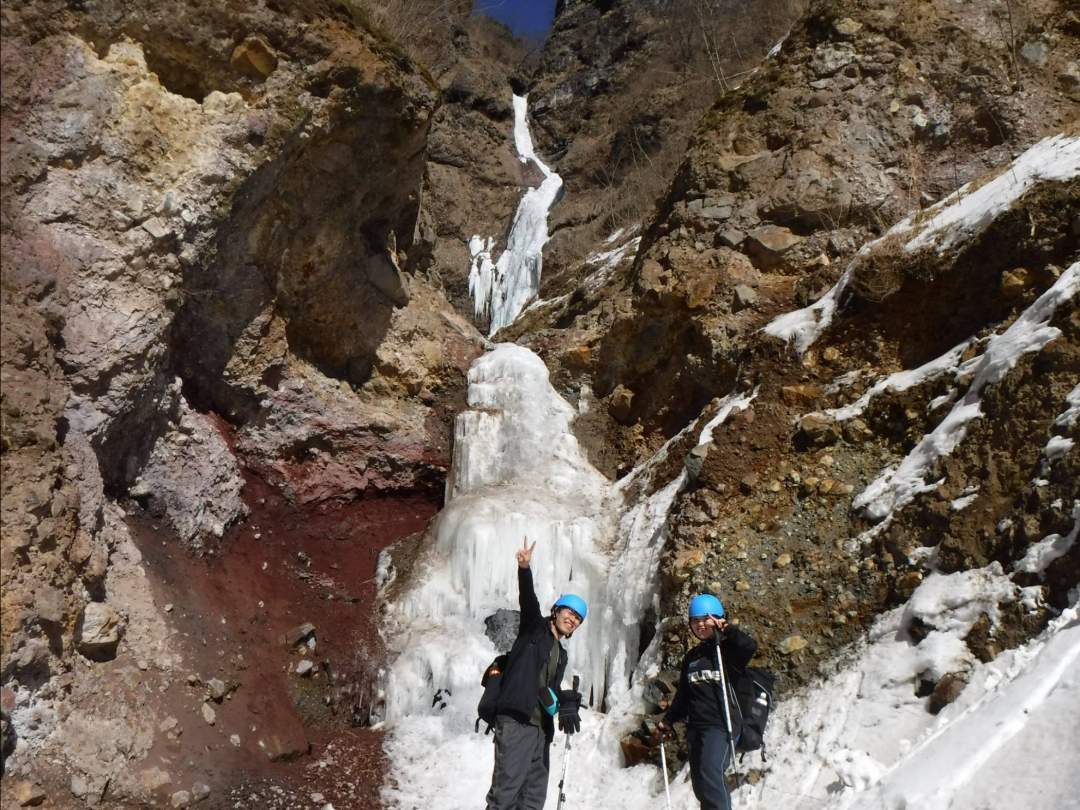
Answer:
(575, 603)
(705, 605)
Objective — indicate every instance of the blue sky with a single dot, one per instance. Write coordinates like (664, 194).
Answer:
(526, 18)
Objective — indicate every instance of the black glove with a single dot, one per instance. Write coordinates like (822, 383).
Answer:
(569, 716)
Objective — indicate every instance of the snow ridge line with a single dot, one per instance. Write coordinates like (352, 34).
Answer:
(898, 485)
(960, 217)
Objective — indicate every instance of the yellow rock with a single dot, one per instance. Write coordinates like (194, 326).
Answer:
(254, 58)
(793, 644)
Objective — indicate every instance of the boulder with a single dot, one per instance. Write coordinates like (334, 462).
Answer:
(1036, 52)
(1015, 282)
(98, 633)
(619, 405)
(792, 644)
(216, 689)
(28, 794)
(298, 635)
(818, 428)
(829, 59)
(687, 562)
(744, 298)
(767, 245)
(946, 691)
(659, 691)
(49, 606)
(801, 394)
(501, 627)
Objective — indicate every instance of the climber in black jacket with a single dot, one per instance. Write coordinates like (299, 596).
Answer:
(699, 699)
(531, 694)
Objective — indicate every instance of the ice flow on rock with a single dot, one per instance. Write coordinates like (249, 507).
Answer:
(501, 289)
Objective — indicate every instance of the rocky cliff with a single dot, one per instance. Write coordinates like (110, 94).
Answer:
(209, 221)
(792, 192)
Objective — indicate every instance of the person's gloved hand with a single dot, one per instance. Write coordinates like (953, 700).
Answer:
(663, 730)
(569, 711)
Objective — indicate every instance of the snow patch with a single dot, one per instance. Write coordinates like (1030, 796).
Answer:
(903, 380)
(1041, 554)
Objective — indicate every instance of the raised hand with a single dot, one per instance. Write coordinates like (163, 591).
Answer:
(524, 554)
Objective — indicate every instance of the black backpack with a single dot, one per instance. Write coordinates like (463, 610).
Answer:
(752, 690)
(492, 683)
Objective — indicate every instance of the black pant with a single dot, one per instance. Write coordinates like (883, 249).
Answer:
(520, 778)
(710, 751)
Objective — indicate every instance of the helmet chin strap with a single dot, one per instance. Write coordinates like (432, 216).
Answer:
(555, 624)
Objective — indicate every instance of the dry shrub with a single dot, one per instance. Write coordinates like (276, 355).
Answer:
(421, 27)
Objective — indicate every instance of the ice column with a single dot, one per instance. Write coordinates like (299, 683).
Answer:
(502, 288)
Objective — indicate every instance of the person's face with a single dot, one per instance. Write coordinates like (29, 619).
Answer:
(566, 621)
(703, 627)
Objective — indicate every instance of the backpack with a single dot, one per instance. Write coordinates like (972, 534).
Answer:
(492, 683)
(752, 690)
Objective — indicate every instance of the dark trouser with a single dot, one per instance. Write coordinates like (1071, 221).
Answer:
(709, 755)
(520, 779)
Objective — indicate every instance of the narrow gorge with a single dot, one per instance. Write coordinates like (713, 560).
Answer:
(313, 310)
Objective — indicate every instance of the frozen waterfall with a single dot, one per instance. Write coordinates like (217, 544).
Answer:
(518, 471)
(501, 289)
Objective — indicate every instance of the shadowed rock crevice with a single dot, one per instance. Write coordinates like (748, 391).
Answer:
(308, 261)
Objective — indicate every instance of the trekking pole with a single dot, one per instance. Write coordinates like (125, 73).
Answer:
(566, 758)
(727, 708)
(663, 767)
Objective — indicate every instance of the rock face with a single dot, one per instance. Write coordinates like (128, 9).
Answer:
(615, 97)
(786, 177)
(473, 179)
(191, 463)
(211, 221)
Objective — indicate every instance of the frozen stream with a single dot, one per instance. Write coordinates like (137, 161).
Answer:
(501, 289)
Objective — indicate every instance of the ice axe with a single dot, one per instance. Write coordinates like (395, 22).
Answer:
(566, 758)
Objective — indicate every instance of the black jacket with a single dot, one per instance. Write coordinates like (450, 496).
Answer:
(698, 696)
(528, 656)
